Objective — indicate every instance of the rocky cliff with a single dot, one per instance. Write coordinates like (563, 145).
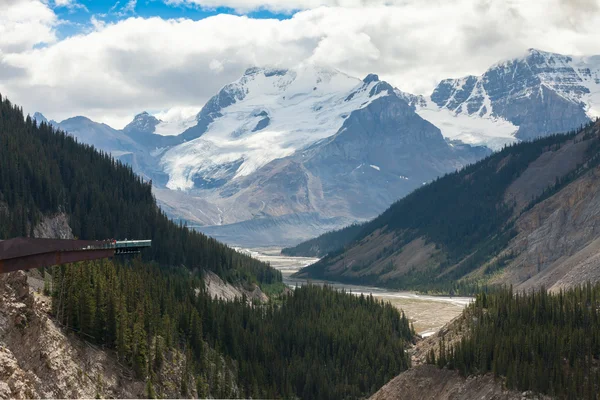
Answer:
(539, 93)
(41, 359)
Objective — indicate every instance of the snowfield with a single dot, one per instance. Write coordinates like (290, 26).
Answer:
(490, 131)
(175, 120)
(576, 79)
(276, 113)
(272, 113)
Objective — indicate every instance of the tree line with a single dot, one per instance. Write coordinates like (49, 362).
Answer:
(539, 341)
(44, 172)
(315, 343)
(463, 213)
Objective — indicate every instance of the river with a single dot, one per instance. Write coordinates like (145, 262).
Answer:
(427, 313)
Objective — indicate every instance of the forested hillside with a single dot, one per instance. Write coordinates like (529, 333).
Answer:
(317, 344)
(547, 343)
(325, 243)
(153, 312)
(43, 172)
(446, 230)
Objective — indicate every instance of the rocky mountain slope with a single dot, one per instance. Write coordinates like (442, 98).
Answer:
(133, 146)
(309, 145)
(315, 146)
(39, 360)
(534, 95)
(526, 216)
(381, 152)
(338, 141)
(426, 381)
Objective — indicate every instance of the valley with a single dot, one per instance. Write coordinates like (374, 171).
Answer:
(281, 155)
(300, 199)
(427, 313)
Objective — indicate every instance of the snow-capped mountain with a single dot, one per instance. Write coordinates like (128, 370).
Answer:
(310, 142)
(166, 123)
(286, 154)
(538, 94)
(266, 115)
(39, 117)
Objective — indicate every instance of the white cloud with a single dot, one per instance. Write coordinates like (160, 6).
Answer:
(128, 8)
(138, 64)
(70, 4)
(284, 6)
(25, 23)
(216, 65)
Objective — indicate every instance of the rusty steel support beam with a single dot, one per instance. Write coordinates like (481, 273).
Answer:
(53, 258)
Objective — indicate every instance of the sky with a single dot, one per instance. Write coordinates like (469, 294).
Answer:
(109, 60)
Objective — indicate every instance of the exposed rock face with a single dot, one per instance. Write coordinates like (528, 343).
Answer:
(216, 287)
(38, 360)
(555, 242)
(142, 130)
(56, 227)
(142, 123)
(559, 239)
(381, 153)
(133, 147)
(282, 142)
(541, 93)
(427, 382)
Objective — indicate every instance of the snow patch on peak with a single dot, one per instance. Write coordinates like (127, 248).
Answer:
(39, 117)
(475, 129)
(477, 109)
(575, 78)
(175, 120)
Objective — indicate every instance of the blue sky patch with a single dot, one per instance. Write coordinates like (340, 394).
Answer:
(77, 19)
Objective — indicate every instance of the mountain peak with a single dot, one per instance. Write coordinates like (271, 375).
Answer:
(531, 50)
(252, 71)
(77, 119)
(371, 78)
(39, 117)
(142, 122)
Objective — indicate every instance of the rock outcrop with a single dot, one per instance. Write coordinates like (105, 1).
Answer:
(427, 382)
(540, 93)
(54, 227)
(222, 290)
(40, 360)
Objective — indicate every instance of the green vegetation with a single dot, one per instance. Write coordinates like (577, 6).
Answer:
(315, 343)
(318, 343)
(324, 244)
(43, 172)
(547, 343)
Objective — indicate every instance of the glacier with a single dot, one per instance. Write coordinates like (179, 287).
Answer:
(300, 106)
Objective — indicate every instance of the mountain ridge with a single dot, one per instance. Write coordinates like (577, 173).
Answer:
(473, 226)
(245, 155)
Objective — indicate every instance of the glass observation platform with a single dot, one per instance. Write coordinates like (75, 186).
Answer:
(27, 253)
